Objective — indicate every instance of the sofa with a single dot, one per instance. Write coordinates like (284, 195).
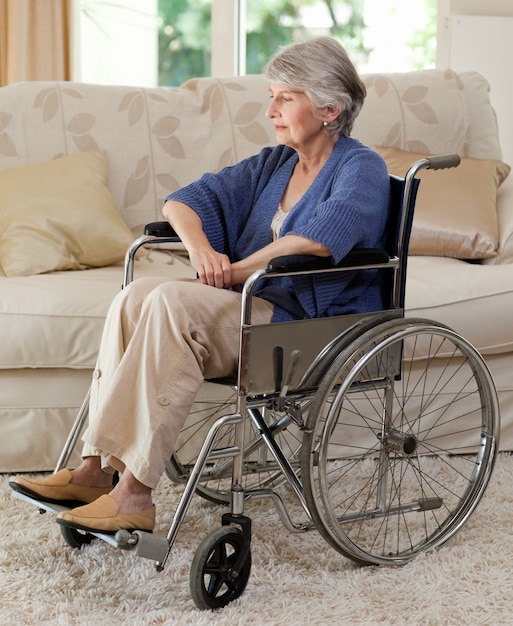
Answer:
(84, 167)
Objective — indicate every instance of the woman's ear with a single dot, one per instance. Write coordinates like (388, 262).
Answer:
(331, 112)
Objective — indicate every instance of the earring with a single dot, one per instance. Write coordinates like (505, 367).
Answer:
(325, 123)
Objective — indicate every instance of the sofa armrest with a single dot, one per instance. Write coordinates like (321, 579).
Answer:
(505, 220)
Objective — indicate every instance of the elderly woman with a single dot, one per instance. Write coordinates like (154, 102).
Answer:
(317, 192)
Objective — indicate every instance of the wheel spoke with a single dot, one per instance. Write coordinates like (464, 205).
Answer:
(260, 469)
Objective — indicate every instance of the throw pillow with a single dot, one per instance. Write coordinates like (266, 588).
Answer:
(59, 215)
(455, 213)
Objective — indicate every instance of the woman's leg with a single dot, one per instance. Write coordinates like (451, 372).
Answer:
(159, 344)
(160, 340)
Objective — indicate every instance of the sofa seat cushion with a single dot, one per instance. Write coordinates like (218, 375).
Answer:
(56, 320)
(474, 300)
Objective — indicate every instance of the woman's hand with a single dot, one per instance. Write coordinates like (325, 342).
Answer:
(213, 269)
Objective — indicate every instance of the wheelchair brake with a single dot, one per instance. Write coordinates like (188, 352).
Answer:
(295, 357)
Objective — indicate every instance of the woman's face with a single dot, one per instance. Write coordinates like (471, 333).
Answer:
(295, 122)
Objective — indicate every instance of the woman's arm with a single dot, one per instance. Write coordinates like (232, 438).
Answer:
(212, 267)
(288, 244)
(215, 269)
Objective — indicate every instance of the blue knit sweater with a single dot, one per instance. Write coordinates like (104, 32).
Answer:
(345, 207)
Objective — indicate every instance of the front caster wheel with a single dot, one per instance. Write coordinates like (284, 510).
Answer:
(214, 581)
(75, 538)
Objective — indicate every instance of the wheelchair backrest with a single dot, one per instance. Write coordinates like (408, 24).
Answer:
(402, 205)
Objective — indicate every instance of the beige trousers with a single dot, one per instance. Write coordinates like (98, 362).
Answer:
(161, 339)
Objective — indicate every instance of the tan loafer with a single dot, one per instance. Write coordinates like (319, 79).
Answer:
(57, 489)
(102, 516)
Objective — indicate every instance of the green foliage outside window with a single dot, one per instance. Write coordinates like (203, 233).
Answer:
(184, 33)
(184, 40)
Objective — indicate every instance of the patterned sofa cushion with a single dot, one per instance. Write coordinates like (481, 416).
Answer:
(430, 111)
(156, 140)
(159, 139)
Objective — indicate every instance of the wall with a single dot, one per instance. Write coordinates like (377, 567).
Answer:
(478, 35)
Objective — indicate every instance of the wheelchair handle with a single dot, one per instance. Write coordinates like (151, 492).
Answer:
(443, 161)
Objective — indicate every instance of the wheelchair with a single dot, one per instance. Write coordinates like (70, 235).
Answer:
(383, 428)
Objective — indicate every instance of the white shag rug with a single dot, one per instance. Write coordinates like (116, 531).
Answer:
(296, 579)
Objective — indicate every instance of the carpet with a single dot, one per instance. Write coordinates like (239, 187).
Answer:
(295, 579)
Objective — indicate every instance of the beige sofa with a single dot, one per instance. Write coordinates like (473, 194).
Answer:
(125, 148)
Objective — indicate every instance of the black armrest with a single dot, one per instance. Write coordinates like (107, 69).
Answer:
(294, 262)
(160, 229)
(307, 262)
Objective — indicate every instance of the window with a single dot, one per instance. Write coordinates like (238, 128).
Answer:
(166, 42)
(116, 42)
(400, 35)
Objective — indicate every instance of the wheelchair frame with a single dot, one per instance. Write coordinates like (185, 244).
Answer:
(343, 381)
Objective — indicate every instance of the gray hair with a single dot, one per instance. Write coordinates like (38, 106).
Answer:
(322, 70)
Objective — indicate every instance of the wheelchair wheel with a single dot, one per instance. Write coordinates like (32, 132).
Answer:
(213, 581)
(401, 442)
(260, 470)
(75, 538)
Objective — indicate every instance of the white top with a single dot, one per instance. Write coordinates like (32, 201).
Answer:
(277, 222)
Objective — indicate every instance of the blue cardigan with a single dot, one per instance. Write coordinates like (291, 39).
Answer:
(345, 207)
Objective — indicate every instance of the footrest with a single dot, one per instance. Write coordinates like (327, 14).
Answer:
(41, 505)
(147, 545)
(45, 507)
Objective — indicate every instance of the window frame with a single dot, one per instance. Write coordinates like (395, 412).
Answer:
(228, 43)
